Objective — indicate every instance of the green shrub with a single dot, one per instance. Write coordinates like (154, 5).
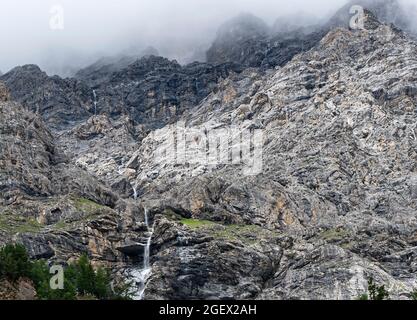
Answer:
(375, 292)
(363, 297)
(41, 278)
(90, 282)
(14, 262)
(80, 278)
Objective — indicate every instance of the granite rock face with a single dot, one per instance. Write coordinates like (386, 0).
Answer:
(335, 191)
(55, 208)
(250, 42)
(155, 91)
(100, 71)
(311, 190)
(60, 102)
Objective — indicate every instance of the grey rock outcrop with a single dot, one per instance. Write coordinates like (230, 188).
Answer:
(337, 179)
(60, 102)
(101, 71)
(4, 93)
(271, 48)
(333, 205)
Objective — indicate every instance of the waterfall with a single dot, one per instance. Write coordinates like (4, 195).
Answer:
(141, 276)
(135, 193)
(95, 102)
(146, 219)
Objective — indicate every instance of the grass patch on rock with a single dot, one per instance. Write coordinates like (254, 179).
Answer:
(14, 223)
(196, 224)
(248, 234)
(86, 205)
(334, 235)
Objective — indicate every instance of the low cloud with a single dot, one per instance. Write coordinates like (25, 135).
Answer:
(96, 28)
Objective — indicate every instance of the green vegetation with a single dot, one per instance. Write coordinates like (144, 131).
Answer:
(333, 235)
(196, 224)
(40, 276)
(375, 292)
(413, 295)
(363, 297)
(87, 206)
(13, 224)
(81, 280)
(248, 234)
(14, 262)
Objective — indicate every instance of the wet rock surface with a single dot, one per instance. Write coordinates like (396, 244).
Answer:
(333, 167)
(332, 206)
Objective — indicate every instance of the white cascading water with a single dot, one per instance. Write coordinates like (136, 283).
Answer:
(135, 192)
(95, 102)
(142, 275)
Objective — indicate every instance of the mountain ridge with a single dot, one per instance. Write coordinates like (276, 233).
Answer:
(333, 206)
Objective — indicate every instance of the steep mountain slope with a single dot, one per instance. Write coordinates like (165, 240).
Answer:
(387, 11)
(57, 210)
(270, 48)
(334, 203)
(101, 70)
(306, 190)
(60, 102)
(154, 90)
(151, 91)
(240, 40)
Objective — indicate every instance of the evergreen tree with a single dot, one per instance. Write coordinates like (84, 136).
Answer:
(14, 262)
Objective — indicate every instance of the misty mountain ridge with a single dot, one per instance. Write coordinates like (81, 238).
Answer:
(244, 41)
(246, 27)
(102, 163)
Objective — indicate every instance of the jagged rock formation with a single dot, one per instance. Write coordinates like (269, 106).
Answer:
(103, 147)
(336, 189)
(333, 205)
(151, 91)
(155, 91)
(60, 102)
(102, 70)
(239, 40)
(387, 11)
(257, 46)
(53, 207)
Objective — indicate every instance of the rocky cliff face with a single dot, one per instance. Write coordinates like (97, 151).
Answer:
(154, 91)
(55, 208)
(60, 102)
(100, 71)
(258, 46)
(312, 192)
(334, 203)
(22, 290)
